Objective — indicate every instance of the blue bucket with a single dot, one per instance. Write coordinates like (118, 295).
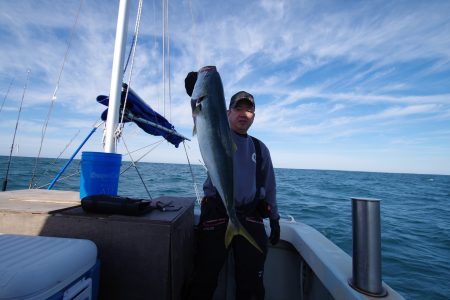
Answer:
(99, 173)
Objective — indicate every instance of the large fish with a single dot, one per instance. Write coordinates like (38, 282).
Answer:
(216, 145)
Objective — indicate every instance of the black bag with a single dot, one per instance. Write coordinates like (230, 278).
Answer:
(107, 204)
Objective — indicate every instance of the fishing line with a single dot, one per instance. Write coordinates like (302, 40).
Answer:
(6, 95)
(61, 179)
(73, 156)
(44, 127)
(197, 194)
(56, 159)
(5, 181)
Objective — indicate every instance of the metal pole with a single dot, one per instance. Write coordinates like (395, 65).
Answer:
(116, 77)
(366, 243)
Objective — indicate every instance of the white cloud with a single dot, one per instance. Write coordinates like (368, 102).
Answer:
(322, 71)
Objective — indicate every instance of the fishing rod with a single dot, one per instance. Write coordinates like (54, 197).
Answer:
(6, 95)
(5, 181)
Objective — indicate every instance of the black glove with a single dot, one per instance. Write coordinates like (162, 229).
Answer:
(264, 209)
(274, 237)
(189, 82)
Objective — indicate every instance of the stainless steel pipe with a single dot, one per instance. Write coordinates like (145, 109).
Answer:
(366, 241)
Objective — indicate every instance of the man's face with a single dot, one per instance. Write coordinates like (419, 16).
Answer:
(241, 116)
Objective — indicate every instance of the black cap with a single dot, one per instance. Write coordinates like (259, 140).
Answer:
(242, 95)
(189, 82)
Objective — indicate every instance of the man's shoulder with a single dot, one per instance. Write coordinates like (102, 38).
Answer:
(263, 146)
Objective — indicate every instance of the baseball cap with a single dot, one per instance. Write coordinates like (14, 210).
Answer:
(242, 95)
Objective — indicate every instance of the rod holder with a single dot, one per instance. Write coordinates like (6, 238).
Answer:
(366, 242)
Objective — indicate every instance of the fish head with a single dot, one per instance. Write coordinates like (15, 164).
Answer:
(199, 95)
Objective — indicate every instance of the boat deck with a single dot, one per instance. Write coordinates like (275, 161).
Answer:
(151, 256)
(142, 257)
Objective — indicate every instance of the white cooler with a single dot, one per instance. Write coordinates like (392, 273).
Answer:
(36, 267)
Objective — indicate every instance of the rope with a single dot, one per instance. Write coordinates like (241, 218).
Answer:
(44, 127)
(5, 181)
(6, 95)
(135, 35)
(118, 132)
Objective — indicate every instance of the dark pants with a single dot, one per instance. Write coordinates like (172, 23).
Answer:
(212, 254)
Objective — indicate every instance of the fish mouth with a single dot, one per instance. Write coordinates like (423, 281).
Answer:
(208, 69)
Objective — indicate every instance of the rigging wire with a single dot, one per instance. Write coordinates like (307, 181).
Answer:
(166, 39)
(138, 149)
(136, 168)
(194, 27)
(164, 54)
(144, 155)
(5, 181)
(44, 127)
(168, 59)
(6, 95)
(132, 54)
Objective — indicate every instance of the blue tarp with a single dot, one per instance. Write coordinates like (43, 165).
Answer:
(138, 108)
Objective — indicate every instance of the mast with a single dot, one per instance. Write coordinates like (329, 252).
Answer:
(116, 77)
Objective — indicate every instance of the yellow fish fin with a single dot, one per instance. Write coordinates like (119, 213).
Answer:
(233, 230)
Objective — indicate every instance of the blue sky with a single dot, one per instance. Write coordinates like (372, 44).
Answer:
(342, 85)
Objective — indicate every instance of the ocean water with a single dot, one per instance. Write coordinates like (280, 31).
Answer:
(415, 210)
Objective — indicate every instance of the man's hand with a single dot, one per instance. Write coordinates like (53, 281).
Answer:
(274, 237)
(189, 82)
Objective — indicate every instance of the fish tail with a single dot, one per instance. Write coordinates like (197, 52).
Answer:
(233, 230)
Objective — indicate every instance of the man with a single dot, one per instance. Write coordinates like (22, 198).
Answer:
(255, 199)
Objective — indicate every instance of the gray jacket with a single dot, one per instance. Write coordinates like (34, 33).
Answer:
(244, 169)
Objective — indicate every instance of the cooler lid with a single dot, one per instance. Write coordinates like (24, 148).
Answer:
(36, 267)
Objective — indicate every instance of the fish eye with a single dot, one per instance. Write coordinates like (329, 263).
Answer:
(200, 100)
